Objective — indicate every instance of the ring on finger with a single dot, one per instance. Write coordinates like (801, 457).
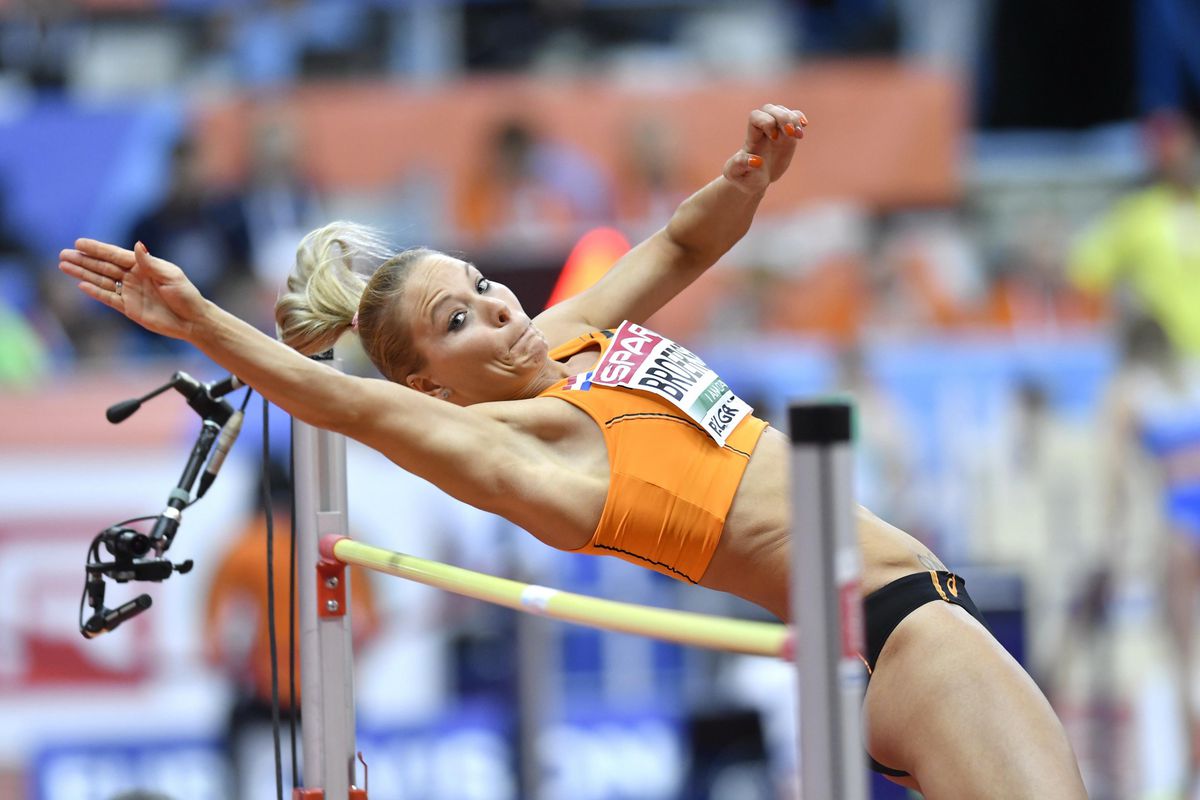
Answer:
(117, 289)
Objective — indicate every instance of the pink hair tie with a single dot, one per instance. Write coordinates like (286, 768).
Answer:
(354, 322)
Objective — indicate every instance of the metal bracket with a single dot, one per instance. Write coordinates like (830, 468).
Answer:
(331, 589)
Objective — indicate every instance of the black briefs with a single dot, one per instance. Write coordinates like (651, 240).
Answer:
(885, 608)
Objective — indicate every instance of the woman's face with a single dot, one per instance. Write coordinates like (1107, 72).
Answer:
(477, 341)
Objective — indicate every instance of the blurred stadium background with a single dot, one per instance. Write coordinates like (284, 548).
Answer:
(990, 239)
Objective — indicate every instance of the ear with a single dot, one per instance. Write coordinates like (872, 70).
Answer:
(425, 385)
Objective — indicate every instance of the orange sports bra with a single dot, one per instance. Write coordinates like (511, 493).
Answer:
(671, 485)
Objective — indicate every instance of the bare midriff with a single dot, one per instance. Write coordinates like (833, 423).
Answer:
(753, 559)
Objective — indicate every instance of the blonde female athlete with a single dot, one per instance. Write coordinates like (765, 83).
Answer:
(597, 435)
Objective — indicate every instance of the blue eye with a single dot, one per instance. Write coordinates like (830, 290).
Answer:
(482, 285)
(457, 319)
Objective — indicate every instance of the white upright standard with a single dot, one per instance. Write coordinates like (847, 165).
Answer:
(327, 687)
(827, 603)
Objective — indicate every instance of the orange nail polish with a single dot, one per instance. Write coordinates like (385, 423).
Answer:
(789, 129)
(774, 134)
(754, 162)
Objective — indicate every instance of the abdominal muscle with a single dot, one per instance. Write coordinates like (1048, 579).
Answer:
(753, 559)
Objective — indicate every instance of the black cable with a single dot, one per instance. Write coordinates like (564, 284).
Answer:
(93, 556)
(266, 497)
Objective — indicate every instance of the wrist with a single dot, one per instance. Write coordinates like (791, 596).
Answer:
(201, 327)
(751, 193)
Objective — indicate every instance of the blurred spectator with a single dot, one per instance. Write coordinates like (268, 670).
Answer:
(72, 329)
(237, 637)
(1151, 239)
(517, 36)
(852, 274)
(863, 27)
(281, 205)
(16, 254)
(927, 273)
(810, 273)
(199, 226)
(1158, 410)
(23, 357)
(1137, 610)
(885, 442)
(529, 187)
(1037, 494)
(265, 44)
(652, 181)
(37, 39)
(1028, 292)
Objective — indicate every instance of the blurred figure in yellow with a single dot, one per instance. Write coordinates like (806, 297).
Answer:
(237, 635)
(1151, 240)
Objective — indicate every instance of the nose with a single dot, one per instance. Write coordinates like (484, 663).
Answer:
(498, 310)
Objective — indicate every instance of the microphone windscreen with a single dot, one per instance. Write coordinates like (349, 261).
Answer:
(122, 411)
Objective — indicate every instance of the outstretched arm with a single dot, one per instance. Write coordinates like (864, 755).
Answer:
(436, 440)
(702, 230)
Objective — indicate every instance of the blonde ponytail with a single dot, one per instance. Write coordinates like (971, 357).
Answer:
(326, 287)
(344, 270)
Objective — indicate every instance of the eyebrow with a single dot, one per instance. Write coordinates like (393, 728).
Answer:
(433, 313)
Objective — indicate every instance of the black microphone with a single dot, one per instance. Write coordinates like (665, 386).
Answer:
(225, 441)
(186, 385)
(123, 410)
(106, 620)
(119, 412)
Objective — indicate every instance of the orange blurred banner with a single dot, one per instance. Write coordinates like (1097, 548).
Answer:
(882, 133)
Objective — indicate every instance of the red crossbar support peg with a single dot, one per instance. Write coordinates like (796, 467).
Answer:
(331, 587)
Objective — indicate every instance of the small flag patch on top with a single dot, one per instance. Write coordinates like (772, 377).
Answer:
(580, 383)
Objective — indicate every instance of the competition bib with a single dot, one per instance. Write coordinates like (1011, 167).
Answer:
(638, 358)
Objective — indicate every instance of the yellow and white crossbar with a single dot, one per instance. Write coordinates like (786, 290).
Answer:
(682, 627)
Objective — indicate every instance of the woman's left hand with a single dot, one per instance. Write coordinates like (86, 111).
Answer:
(771, 136)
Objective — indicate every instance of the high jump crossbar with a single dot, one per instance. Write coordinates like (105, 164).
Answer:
(682, 627)
(825, 603)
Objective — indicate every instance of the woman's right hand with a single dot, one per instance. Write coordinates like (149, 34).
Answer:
(150, 291)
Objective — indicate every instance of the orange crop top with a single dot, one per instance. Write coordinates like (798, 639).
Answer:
(671, 485)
